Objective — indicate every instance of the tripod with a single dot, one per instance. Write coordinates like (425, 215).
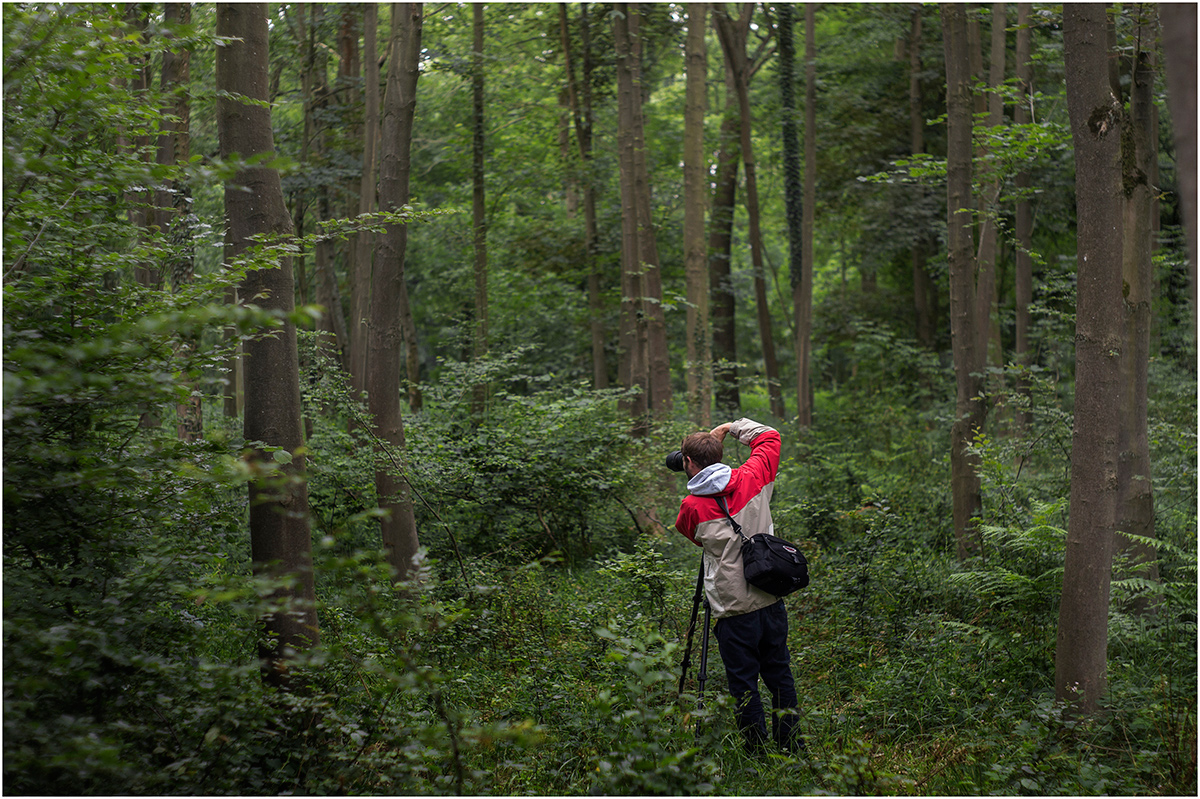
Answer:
(687, 652)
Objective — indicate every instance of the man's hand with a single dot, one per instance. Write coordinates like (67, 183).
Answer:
(721, 430)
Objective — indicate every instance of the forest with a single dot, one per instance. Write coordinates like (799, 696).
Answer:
(344, 345)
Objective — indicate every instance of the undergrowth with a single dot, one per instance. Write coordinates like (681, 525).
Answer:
(511, 666)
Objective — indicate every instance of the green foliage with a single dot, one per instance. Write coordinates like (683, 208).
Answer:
(547, 470)
(655, 751)
(536, 648)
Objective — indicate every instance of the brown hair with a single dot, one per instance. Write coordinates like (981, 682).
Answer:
(703, 448)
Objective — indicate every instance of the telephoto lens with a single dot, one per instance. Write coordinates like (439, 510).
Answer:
(675, 461)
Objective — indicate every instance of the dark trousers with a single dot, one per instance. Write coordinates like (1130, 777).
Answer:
(753, 645)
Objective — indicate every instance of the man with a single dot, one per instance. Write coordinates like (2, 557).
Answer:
(752, 624)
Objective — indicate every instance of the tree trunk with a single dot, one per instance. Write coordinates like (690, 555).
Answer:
(1022, 115)
(280, 542)
(967, 345)
(478, 210)
(360, 285)
(726, 394)
(803, 302)
(1179, 46)
(349, 96)
(793, 195)
(923, 286)
(388, 297)
(658, 366)
(695, 175)
(988, 301)
(733, 36)
(582, 114)
(1135, 502)
(174, 202)
(634, 364)
(1096, 131)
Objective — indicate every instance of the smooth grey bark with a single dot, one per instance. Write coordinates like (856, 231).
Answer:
(280, 541)
(1135, 500)
(1023, 222)
(388, 297)
(695, 173)
(968, 346)
(1179, 47)
(360, 284)
(1097, 126)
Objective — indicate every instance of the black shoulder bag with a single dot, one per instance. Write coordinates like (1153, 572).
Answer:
(769, 562)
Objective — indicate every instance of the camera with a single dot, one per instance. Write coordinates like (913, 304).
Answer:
(675, 461)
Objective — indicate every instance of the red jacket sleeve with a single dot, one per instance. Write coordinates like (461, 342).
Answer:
(687, 521)
(763, 462)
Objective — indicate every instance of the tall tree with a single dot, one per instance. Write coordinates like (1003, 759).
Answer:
(1179, 46)
(793, 195)
(966, 294)
(803, 302)
(1135, 502)
(581, 112)
(695, 172)
(388, 297)
(478, 209)
(173, 204)
(924, 290)
(643, 320)
(989, 199)
(1097, 127)
(734, 36)
(360, 284)
(726, 393)
(1023, 221)
(634, 370)
(280, 543)
(658, 367)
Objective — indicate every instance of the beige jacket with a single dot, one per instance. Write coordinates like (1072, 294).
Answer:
(747, 491)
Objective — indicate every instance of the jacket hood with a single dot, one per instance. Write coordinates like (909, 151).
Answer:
(710, 480)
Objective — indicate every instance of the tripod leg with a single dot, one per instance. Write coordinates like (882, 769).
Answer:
(703, 678)
(687, 651)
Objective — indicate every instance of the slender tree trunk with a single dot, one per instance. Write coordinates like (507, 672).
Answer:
(333, 322)
(174, 202)
(1022, 115)
(969, 354)
(582, 114)
(140, 199)
(312, 91)
(388, 299)
(280, 543)
(634, 366)
(1135, 502)
(726, 393)
(988, 301)
(733, 36)
(1179, 46)
(1096, 131)
(695, 174)
(923, 288)
(793, 195)
(360, 285)
(658, 367)
(803, 302)
(478, 210)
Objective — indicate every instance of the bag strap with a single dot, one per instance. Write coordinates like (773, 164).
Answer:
(737, 528)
